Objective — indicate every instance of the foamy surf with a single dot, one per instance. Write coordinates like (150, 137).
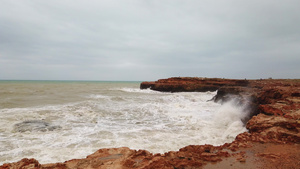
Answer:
(105, 116)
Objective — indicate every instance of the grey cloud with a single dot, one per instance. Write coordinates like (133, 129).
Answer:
(137, 40)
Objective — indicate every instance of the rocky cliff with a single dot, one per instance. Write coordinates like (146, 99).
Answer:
(188, 84)
(272, 141)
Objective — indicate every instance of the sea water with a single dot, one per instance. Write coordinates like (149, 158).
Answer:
(55, 121)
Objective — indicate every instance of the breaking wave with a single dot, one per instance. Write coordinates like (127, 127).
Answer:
(118, 117)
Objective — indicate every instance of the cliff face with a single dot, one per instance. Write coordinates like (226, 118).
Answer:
(272, 141)
(187, 84)
(276, 103)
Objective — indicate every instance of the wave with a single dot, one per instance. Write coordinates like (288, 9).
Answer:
(144, 119)
(98, 96)
(136, 90)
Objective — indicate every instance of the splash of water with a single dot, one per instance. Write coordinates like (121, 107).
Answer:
(139, 119)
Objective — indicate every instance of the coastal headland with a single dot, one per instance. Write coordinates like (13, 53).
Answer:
(272, 140)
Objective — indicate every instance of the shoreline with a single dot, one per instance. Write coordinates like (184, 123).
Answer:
(272, 141)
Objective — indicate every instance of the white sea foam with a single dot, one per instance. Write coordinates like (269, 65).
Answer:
(229, 119)
(136, 90)
(126, 116)
(98, 96)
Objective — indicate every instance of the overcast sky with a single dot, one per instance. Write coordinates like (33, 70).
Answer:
(149, 39)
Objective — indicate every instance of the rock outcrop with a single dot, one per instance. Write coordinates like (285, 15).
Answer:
(274, 104)
(272, 141)
(188, 84)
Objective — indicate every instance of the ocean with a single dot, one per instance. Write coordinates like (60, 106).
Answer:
(55, 121)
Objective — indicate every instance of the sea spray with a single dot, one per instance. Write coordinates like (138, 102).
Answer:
(230, 116)
(105, 115)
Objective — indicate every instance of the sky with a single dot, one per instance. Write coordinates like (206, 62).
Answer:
(145, 40)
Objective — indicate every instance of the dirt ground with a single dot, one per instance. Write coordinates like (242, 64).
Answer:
(262, 156)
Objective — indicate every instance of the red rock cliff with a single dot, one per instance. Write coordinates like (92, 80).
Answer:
(187, 84)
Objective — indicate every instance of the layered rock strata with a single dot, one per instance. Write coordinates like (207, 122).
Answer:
(188, 84)
(272, 141)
